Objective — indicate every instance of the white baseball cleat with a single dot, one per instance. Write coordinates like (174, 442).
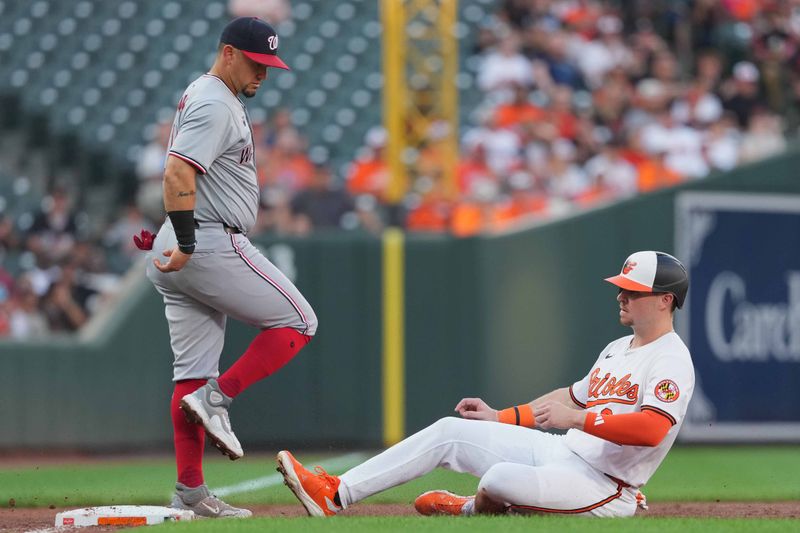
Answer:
(205, 504)
(208, 406)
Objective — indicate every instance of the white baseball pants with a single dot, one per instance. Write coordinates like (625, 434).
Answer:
(527, 469)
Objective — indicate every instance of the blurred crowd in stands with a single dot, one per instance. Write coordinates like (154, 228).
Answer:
(583, 102)
(52, 275)
(55, 271)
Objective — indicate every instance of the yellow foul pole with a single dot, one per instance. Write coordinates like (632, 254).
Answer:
(420, 65)
(394, 371)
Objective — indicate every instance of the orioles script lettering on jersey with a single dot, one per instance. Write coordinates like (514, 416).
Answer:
(611, 386)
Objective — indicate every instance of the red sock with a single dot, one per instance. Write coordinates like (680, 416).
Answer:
(189, 438)
(269, 351)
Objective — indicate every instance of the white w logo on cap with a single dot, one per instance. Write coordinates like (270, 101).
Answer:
(273, 42)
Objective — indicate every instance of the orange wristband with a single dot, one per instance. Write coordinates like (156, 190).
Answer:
(520, 415)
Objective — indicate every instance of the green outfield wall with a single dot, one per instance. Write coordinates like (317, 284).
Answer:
(504, 317)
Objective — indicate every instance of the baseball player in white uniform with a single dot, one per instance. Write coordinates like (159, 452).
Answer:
(622, 419)
(212, 271)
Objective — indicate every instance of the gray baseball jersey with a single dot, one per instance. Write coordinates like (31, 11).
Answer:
(212, 133)
(226, 275)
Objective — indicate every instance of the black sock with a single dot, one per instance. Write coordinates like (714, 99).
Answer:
(336, 499)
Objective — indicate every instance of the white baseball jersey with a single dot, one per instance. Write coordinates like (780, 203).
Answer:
(658, 376)
(212, 133)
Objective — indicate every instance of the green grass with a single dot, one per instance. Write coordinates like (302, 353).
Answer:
(688, 474)
(503, 524)
(136, 481)
(732, 473)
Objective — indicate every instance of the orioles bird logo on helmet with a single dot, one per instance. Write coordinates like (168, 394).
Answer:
(629, 265)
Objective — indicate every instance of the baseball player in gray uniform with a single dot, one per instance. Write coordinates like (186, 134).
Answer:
(211, 270)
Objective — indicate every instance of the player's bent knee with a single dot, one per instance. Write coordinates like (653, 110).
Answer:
(441, 431)
(449, 427)
(492, 481)
(488, 481)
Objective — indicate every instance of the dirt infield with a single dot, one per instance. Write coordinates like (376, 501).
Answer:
(19, 520)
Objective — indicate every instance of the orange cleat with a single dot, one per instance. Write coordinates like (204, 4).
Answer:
(317, 492)
(436, 502)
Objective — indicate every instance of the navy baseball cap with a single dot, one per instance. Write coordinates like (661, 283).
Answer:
(255, 38)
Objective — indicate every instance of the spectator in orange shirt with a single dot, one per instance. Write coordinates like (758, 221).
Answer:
(654, 174)
(476, 213)
(519, 110)
(287, 167)
(651, 170)
(560, 112)
(369, 174)
(473, 168)
(429, 211)
(582, 17)
(743, 10)
(523, 201)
